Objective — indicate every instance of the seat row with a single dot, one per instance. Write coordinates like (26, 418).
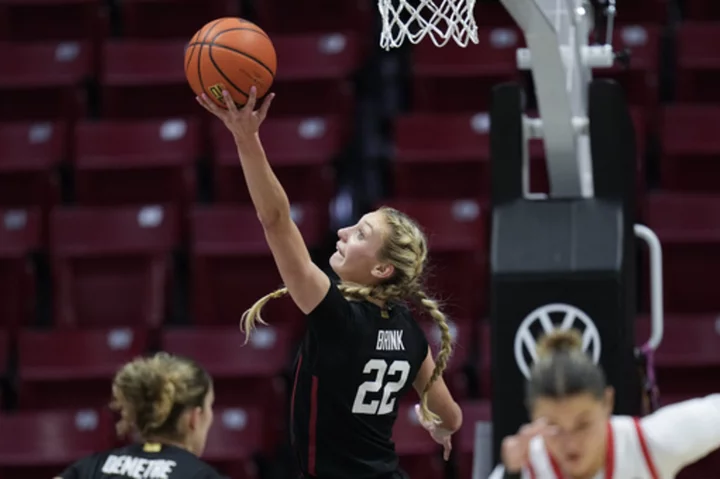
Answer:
(95, 19)
(147, 77)
(115, 265)
(76, 19)
(442, 156)
(159, 163)
(38, 361)
(37, 445)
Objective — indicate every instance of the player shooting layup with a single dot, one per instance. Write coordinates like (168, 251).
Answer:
(362, 349)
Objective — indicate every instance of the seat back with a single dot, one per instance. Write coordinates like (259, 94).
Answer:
(157, 166)
(111, 266)
(71, 369)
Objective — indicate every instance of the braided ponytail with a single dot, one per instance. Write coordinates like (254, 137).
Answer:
(252, 315)
(443, 356)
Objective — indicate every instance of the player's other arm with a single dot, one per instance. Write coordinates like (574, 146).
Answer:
(306, 283)
(682, 433)
(440, 401)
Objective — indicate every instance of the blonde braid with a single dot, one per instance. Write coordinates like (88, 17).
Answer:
(252, 315)
(441, 360)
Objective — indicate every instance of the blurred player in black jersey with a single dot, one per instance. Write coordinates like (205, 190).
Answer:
(362, 349)
(167, 401)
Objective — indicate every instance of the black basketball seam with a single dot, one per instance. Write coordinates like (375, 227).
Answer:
(222, 73)
(255, 30)
(224, 47)
(190, 47)
(199, 63)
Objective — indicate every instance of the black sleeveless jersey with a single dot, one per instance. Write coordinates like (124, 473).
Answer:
(142, 461)
(354, 364)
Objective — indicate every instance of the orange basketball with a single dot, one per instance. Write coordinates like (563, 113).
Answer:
(232, 54)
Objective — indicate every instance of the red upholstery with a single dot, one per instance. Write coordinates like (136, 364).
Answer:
(41, 81)
(38, 445)
(112, 266)
(67, 369)
(156, 166)
(20, 237)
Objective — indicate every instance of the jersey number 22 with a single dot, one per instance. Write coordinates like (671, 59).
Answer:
(398, 370)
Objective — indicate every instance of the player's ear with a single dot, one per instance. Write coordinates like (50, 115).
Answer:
(383, 270)
(193, 418)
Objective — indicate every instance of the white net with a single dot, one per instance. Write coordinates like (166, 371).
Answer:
(441, 20)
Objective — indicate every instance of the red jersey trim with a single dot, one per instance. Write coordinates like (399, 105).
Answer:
(312, 445)
(645, 450)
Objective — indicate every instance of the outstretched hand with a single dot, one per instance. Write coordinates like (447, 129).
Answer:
(439, 435)
(242, 122)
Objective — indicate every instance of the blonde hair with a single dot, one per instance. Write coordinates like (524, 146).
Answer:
(563, 369)
(405, 247)
(151, 393)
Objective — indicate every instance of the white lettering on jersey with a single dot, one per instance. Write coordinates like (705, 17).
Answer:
(390, 341)
(138, 467)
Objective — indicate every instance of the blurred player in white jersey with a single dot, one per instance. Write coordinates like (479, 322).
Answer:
(575, 436)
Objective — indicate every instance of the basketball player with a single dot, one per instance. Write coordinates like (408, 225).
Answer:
(167, 401)
(573, 434)
(363, 349)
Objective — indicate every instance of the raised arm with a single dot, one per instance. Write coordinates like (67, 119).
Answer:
(306, 283)
(682, 433)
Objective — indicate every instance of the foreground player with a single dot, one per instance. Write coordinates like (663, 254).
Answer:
(574, 435)
(167, 401)
(362, 349)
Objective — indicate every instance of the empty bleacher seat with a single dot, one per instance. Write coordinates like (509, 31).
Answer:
(232, 266)
(234, 439)
(447, 156)
(461, 332)
(42, 81)
(690, 147)
(37, 445)
(698, 62)
(689, 357)
(73, 368)
(137, 162)
(29, 156)
(420, 456)
(688, 226)
(112, 266)
(454, 78)
(457, 238)
(302, 159)
(171, 18)
(315, 16)
(52, 19)
(243, 376)
(314, 74)
(474, 412)
(20, 237)
(145, 79)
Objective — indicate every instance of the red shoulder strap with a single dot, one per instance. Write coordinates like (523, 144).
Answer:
(645, 451)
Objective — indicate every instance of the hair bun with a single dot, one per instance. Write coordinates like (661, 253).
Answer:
(559, 341)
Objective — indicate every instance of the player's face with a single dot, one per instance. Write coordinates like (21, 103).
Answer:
(356, 255)
(202, 419)
(580, 424)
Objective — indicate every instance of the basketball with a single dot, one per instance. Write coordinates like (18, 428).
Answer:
(231, 54)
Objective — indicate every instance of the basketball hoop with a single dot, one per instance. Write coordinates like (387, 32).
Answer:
(557, 34)
(441, 20)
